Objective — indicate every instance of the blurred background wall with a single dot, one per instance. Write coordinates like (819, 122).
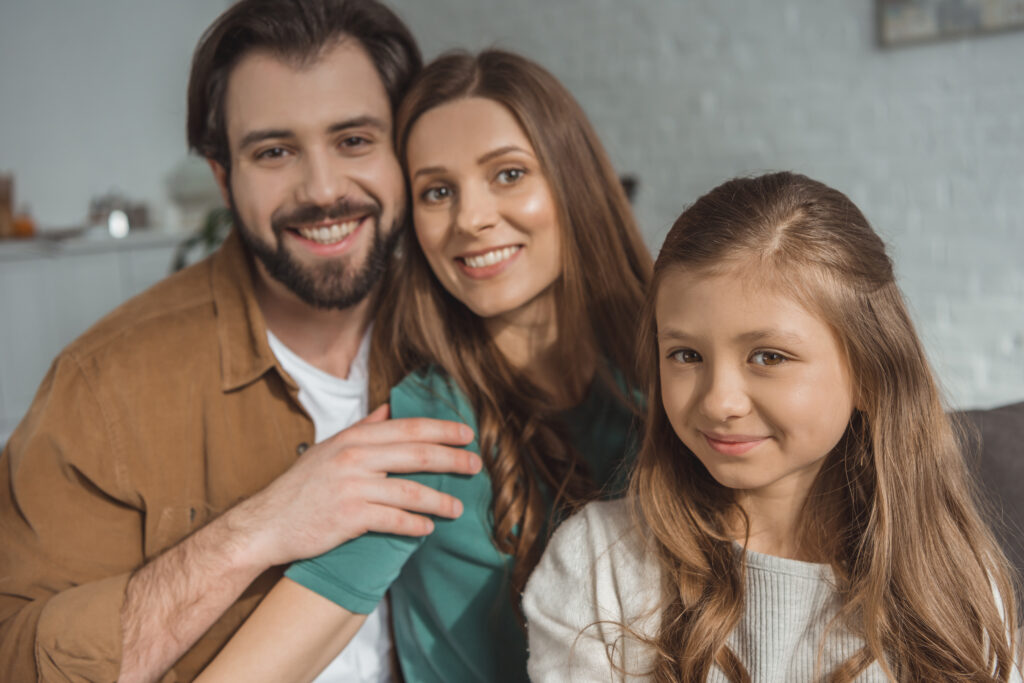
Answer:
(928, 139)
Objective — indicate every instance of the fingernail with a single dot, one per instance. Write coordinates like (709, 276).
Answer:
(467, 433)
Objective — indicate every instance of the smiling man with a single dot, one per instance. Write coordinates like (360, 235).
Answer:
(203, 434)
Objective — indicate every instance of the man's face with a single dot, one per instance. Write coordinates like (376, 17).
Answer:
(314, 184)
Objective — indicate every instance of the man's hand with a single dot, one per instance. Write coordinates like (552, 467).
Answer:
(336, 491)
(339, 489)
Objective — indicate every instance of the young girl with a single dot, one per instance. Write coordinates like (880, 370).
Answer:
(513, 308)
(800, 509)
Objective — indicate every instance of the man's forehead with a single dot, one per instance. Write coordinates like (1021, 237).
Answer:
(267, 90)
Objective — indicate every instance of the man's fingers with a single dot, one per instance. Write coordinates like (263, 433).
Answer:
(388, 520)
(421, 429)
(412, 496)
(408, 458)
(378, 414)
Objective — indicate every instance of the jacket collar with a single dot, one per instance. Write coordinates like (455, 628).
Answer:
(245, 354)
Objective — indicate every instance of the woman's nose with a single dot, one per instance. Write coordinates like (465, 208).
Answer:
(475, 210)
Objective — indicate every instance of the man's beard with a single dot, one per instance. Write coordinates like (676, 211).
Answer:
(331, 284)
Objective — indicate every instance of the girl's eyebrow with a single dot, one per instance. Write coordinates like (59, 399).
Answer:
(751, 337)
(772, 334)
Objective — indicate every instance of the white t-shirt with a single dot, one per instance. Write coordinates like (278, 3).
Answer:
(334, 404)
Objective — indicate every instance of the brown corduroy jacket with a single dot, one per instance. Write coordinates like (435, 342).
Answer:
(168, 411)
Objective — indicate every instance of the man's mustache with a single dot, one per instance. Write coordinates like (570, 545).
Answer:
(312, 213)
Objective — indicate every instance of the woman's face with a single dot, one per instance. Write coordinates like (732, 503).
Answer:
(483, 211)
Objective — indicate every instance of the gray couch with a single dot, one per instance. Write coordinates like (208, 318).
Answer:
(999, 465)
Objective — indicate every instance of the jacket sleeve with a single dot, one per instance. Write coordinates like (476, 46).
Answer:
(69, 537)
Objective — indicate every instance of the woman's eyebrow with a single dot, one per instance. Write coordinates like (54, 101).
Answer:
(499, 152)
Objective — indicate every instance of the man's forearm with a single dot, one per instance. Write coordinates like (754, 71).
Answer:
(171, 601)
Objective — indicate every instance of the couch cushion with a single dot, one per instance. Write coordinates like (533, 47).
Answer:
(1000, 470)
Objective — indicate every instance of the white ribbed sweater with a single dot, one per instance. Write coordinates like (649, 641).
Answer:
(595, 575)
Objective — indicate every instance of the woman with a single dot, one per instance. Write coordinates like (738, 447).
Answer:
(513, 308)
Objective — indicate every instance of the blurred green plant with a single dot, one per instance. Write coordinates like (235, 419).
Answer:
(206, 239)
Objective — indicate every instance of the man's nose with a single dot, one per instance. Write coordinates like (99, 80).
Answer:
(724, 394)
(323, 179)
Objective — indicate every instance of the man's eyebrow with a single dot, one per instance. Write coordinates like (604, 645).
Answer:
(252, 137)
(359, 122)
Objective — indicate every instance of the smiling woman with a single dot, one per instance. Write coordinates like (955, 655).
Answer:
(511, 307)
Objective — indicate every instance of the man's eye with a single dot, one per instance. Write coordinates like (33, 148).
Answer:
(508, 176)
(436, 194)
(685, 356)
(768, 358)
(354, 141)
(272, 153)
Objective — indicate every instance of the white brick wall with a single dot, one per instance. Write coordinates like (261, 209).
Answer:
(928, 140)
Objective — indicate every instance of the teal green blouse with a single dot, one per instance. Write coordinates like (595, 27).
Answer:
(453, 619)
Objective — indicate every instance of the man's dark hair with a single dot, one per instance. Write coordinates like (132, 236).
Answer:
(297, 30)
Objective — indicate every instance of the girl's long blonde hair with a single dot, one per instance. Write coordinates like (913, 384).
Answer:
(605, 268)
(893, 508)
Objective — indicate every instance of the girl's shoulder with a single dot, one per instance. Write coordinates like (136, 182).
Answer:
(430, 392)
(603, 533)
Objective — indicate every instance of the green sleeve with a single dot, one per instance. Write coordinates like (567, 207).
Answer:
(357, 574)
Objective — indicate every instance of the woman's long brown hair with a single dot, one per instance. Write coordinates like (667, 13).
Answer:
(893, 508)
(605, 268)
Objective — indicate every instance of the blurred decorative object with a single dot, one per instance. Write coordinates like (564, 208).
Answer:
(193, 190)
(114, 215)
(630, 183)
(205, 240)
(24, 224)
(915, 21)
(6, 205)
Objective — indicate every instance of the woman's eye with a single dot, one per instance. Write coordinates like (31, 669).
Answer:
(508, 176)
(685, 356)
(768, 358)
(436, 194)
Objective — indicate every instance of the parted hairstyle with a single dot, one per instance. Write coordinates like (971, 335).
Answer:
(297, 30)
(605, 267)
(892, 509)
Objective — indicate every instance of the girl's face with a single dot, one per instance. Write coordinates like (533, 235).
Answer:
(483, 211)
(753, 383)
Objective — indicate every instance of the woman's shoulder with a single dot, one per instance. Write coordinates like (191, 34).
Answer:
(430, 392)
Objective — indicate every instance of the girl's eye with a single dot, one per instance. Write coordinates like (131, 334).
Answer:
(685, 356)
(508, 176)
(435, 194)
(768, 358)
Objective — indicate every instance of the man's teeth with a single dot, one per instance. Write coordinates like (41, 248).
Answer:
(329, 234)
(490, 258)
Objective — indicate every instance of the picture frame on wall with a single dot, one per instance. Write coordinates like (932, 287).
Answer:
(902, 22)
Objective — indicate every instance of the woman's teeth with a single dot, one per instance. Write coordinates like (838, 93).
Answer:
(329, 234)
(490, 258)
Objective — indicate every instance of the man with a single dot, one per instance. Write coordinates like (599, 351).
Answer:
(163, 472)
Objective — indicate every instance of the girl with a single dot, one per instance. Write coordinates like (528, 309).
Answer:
(512, 308)
(800, 509)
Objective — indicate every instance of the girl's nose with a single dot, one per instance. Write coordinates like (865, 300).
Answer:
(724, 395)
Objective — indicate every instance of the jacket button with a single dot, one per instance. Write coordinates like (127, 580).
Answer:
(301, 448)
